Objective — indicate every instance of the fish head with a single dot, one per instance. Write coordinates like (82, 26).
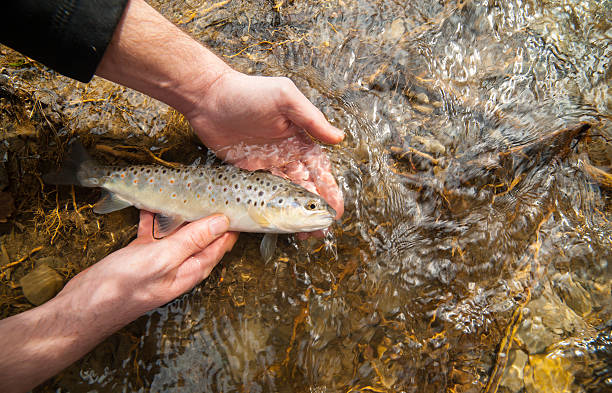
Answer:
(299, 212)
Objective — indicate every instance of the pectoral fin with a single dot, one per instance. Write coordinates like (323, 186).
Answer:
(109, 203)
(166, 225)
(268, 246)
(258, 216)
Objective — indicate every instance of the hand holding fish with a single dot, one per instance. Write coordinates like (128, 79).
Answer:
(150, 272)
(259, 122)
(108, 295)
(253, 122)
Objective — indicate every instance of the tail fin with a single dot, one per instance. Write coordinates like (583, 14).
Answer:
(77, 168)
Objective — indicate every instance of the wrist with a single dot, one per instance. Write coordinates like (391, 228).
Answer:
(193, 86)
(97, 303)
(150, 54)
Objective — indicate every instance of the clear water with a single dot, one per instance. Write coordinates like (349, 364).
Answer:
(474, 209)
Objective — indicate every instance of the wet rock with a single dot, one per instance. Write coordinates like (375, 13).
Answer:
(4, 180)
(548, 374)
(41, 284)
(513, 375)
(6, 90)
(461, 377)
(559, 318)
(4, 257)
(551, 320)
(573, 294)
(7, 206)
(430, 145)
(395, 30)
(534, 335)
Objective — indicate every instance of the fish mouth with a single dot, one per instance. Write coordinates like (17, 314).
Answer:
(320, 220)
(313, 221)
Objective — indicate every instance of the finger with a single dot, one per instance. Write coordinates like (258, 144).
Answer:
(308, 117)
(332, 195)
(145, 226)
(197, 267)
(319, 169)
(193, 238)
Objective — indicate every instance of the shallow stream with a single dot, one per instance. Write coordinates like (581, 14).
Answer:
(474, 252)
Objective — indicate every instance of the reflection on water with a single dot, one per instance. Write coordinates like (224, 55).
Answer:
(473, 254)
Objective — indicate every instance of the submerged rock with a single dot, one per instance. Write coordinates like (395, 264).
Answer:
(4, 179)
(394, 30)
(535, 336)
(7, 206)
(41, 284)
(430, 145)
(513, 375)
(545, 373)
(573, 294)
(550, 321)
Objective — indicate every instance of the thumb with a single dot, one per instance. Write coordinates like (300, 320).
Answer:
(193, 238)
(305, 115)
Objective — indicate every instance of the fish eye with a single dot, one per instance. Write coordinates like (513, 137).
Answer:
(311, 205)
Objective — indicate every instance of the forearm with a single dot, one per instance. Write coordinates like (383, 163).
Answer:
(149, 54)
(39, 343)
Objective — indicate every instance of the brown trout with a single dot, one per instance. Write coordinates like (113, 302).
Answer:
(253, 201)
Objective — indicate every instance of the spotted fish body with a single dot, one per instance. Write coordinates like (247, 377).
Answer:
(252, 201)
(248, 199)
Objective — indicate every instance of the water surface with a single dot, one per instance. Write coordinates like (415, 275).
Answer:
(473, 254)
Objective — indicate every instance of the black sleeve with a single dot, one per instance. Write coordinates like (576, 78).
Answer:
(69, 36)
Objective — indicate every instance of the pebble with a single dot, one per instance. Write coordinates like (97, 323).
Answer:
(41, 284)
(514, 373)
(395, 30)
(573, 294)
(548, 374)
(430, 145)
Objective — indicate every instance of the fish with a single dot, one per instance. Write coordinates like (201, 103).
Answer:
(252, 201)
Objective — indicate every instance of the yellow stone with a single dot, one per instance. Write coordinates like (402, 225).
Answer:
(41, 284)
(548, 373)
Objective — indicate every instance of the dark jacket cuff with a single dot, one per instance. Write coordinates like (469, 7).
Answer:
(69, 36)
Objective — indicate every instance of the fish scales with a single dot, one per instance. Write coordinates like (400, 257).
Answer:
(252, 201)
(193, 192)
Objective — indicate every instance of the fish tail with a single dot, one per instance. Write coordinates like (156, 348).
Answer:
(78, 168)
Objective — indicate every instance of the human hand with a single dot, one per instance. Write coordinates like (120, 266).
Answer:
(251, 121)
(259, 122)
(149, 272)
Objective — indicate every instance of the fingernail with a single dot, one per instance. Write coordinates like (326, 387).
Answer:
(218, 225)
(339, 133)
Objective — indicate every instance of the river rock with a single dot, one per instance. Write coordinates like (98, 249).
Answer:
(545, 373)
(7, 205)
(534, 335)
(41, 284)
(395, 30)
(513, 375)
(549, 320)
(573, 294)
(4, 179)
(430, 145)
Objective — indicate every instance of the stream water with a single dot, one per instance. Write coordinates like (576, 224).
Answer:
(474, 252)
